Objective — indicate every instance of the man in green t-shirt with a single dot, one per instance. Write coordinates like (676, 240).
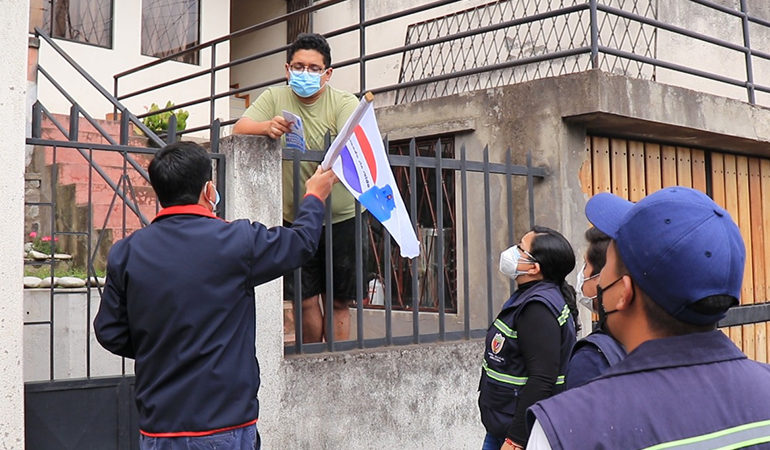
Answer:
(321, 108)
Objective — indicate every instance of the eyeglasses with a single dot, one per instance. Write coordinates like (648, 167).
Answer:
(299, 68)
(531, 259)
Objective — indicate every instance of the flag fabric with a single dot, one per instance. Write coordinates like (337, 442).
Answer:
(359, 159)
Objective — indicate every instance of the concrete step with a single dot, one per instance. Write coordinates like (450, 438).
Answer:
(115, 219)
(102, 157)
(79, 174)
(112, 127)
(101, 193)
(89, 133)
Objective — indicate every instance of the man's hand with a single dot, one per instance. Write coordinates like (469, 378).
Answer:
(277, 127)
(510, 445)
(321, 183)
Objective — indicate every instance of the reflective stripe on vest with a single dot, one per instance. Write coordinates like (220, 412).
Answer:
(510, 379)
(735, 437)
(564, 315)
(506, 330)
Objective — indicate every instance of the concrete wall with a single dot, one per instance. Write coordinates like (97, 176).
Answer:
(73, 337)
(13, 52)
(103, 63)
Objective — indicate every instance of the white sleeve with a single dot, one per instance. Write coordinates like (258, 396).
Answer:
(537, 438)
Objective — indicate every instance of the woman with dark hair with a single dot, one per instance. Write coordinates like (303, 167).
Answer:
(528, 344)
(595, 353)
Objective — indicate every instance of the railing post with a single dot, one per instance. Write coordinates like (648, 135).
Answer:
(361, 45)
(747, 52)
(171, 132)
(530, 190)
(37, 119)
(594, 34)
(215, 126)
(124, 126)
(213, 89)
(115, 94)
(74, 122)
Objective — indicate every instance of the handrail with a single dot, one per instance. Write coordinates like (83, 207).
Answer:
(150, 134)
(256, 56)
(591, 34)
(92, 121)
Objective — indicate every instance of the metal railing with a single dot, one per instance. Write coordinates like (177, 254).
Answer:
(468, 216)
(498, 43)
(85, 234)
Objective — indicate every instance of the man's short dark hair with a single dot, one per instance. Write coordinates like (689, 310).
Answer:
(311, 41)
(178, 172)
(597, 249)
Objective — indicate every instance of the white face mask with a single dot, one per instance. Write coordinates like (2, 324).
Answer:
(581, 279)
(509, 262)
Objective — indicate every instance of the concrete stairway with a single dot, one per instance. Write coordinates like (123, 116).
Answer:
(78, 183)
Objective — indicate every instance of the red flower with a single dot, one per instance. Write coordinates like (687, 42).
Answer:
(45, 238)
(33, 234)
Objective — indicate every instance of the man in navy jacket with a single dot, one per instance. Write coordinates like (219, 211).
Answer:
(179, 300)
(674, 267)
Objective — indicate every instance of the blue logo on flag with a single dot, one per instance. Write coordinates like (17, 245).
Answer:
(379, 202)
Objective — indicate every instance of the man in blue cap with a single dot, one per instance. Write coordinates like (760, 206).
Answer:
(674, 267)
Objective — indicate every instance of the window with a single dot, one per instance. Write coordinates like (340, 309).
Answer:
(86, 21)
(169, 27)
(427, 225)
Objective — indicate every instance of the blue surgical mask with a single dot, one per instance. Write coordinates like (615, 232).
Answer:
(304, 84)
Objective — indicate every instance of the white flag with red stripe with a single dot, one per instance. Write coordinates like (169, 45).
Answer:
(358, 158)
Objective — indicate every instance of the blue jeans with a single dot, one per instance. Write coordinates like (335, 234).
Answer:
(245, 438)
(492, 443)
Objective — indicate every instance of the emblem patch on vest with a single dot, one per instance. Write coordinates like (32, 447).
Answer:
(497, 343)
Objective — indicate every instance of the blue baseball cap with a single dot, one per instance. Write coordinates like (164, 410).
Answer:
(678, 246)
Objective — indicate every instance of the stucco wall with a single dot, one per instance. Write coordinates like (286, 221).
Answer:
(13, 84)
(103, 63)
(708, 57)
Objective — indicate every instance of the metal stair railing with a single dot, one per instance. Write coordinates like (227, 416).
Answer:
(126, 117)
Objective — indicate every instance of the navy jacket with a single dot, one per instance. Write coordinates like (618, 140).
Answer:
(504, 371)
(179, 299)
(699, 387)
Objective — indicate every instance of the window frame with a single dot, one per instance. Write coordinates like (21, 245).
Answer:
(49, 28)
(199, 29)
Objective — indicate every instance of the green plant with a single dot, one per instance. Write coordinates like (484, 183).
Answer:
(44, 270)
(158, 123)
(44, 244)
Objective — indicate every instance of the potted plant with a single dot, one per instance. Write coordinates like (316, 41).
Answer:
(158, 123)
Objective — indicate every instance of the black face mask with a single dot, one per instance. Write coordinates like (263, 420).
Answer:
(602, 324)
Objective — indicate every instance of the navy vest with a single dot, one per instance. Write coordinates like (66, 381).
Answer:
(503, 371)
(692, 391)
(611, 349)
